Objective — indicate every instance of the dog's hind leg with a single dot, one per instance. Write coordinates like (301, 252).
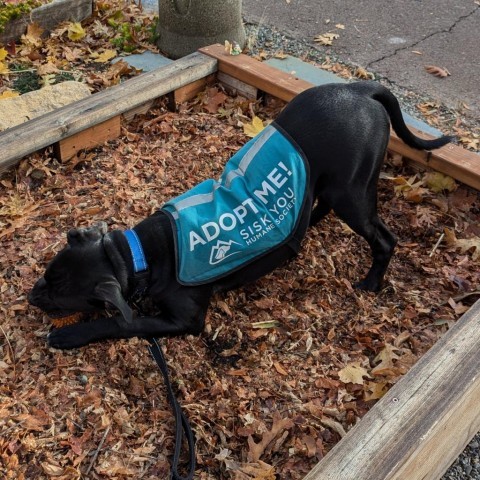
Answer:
(361, 216)
(319, 211)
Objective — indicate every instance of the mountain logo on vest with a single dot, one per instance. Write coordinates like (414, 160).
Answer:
(220, 251)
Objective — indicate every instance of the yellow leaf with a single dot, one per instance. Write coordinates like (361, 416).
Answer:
(104, 56)
(8, 94)
(3, 54)
(3, 68)
(75, 31)
(437, 182)
(254, 128)
(353, 373)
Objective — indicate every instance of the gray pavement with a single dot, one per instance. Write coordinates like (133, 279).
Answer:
(394, 39)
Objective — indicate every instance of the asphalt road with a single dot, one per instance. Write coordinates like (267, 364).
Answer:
(395, 39)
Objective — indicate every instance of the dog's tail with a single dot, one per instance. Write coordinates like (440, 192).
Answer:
(391, 105)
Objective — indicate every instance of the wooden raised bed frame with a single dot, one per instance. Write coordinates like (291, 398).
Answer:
(421, 425)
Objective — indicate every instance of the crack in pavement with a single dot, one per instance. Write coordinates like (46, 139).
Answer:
(448, 30)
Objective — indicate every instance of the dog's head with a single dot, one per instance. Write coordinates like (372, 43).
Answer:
(80, 278)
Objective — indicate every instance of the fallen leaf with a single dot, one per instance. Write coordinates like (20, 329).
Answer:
(458, 307)
(279, 425)
(326, 39)
(3, 54)
(8, 94)
(385, 358)
(52, 469)
(362, 73)
(438, 182)
(437, 71)
(279, 368)
(353, 373)
(103, 57)
(3, 69)
(47, 69)
(333, 425)
(254, 128)
(375, 390)
(75, 31)
(464, 245)
(214, 100)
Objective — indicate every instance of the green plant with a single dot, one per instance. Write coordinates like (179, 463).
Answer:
(125, 39)
(26, 81)
(10, 11)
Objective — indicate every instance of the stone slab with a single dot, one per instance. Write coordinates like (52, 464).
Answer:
(17, 110)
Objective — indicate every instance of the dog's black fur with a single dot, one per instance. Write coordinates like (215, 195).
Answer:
(343, 131)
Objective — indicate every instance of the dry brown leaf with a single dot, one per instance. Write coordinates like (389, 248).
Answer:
(437, 71)
(333, 425)
(385, 358)
(326, 38)
(353, 373)
(375, 390)
(279, 425)
(53, 469)
(279, 368)
(464, 245)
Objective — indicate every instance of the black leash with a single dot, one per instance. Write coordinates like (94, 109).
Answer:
(182, 426)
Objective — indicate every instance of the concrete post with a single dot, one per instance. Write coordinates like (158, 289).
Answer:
(186, 25)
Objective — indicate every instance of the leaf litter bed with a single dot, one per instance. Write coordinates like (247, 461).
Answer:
(284, 367)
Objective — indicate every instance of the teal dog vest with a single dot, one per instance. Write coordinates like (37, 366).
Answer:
(222, 225)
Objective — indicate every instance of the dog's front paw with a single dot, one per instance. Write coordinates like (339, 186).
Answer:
(368, 285)
(66, 338)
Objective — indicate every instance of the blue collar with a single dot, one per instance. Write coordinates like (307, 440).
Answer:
(138, 257)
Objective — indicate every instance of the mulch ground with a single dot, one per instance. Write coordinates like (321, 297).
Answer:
(284, 367)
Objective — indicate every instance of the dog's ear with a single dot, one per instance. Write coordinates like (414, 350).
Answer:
(77, 236)
(111, 292)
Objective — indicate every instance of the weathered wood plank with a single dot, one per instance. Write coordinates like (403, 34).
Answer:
(66, 121)
(422, 424)
(89, 138)
(452, 160)
(260, 75)
(190, 91)
(235, 86)
(48, 17)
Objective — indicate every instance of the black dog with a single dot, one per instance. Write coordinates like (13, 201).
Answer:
(343, 131)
